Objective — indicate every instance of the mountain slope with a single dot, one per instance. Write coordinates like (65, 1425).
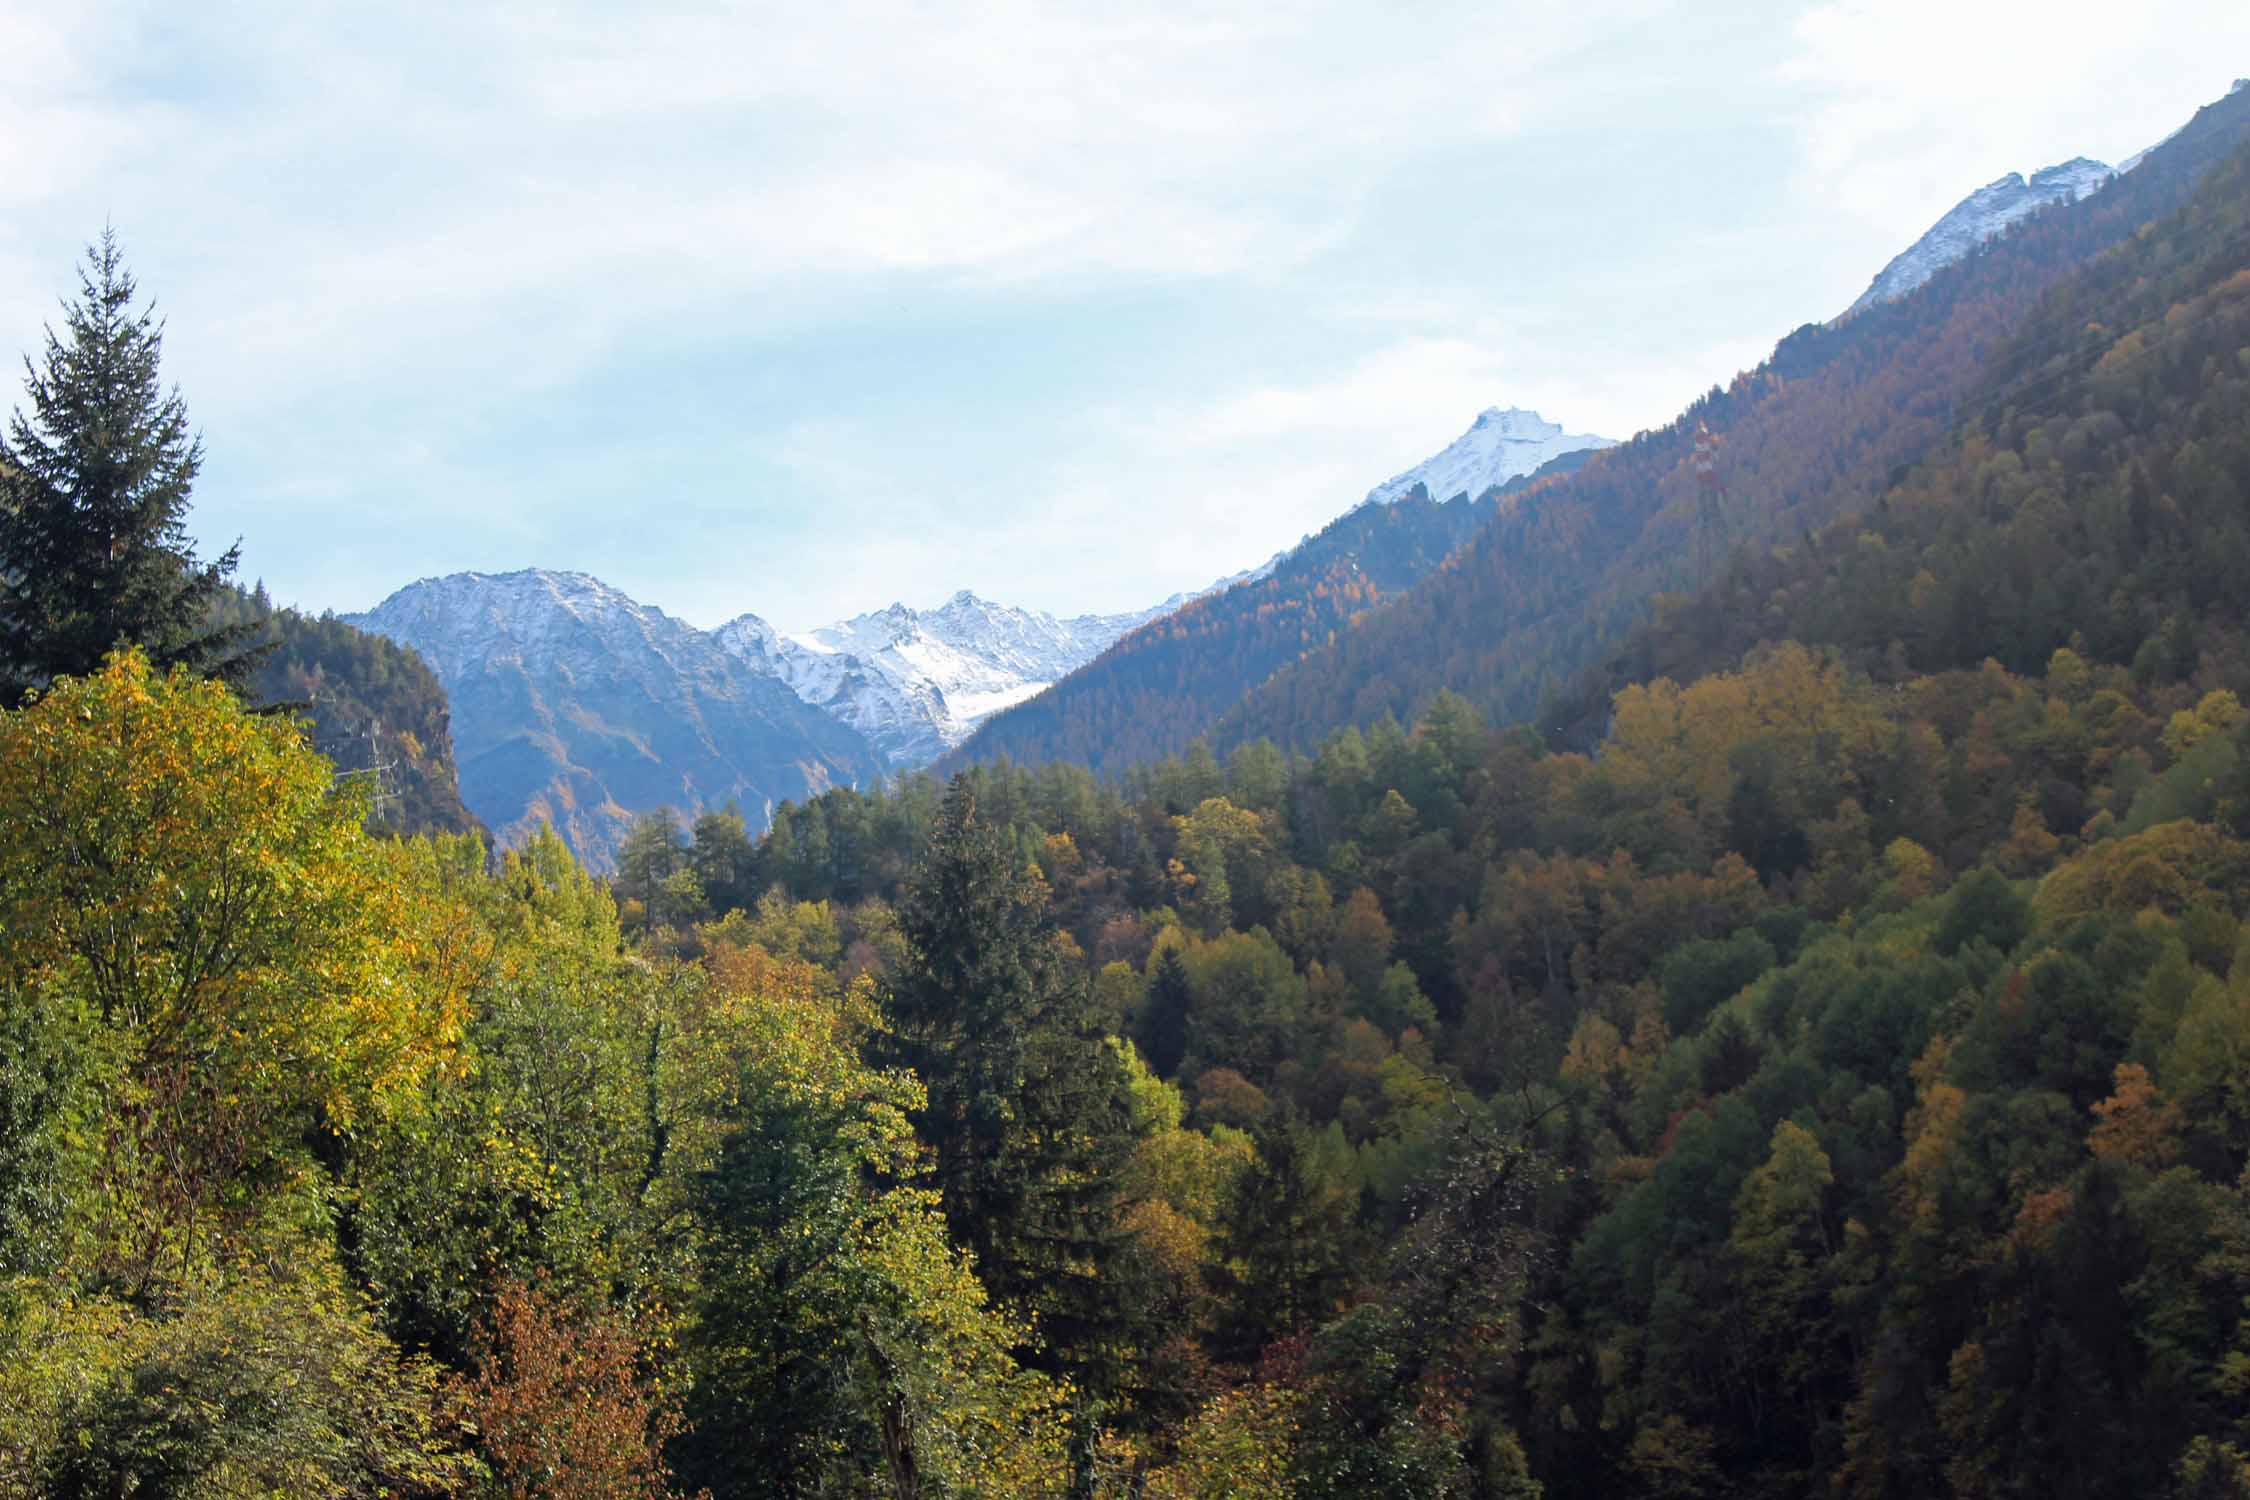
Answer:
(1162, 685)
(573, 704)
(2130, 162)
(918, 682)
(368, 699)
(1165, 684)
(1981, 216)
(1545, 590)
(2098, 498)
(1499, 446)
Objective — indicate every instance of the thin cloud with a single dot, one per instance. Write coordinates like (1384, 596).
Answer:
(800, 309)
(1914, 102)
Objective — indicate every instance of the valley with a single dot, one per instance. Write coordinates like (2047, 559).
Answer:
(1710, 962)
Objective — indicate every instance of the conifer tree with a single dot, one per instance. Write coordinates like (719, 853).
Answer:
(1163, 1028)
(1289, 1240)
(1028, 1105)
(94, 483)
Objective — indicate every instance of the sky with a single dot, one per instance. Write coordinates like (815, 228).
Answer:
(803, 309)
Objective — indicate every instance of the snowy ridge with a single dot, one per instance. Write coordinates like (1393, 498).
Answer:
(1979, 217)
(471, 619)
(918, 682)
(1500, 446)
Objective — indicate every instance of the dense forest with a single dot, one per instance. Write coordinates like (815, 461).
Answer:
(1857, 1022)
(1820, 1066)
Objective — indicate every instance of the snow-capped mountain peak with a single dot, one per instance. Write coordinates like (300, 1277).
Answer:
(1499, 446)
(1979, 217)
(468, 618)
(916, 682)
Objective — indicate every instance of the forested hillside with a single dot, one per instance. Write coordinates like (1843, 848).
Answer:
(1832, 1085)
(371, 703)
(1170, 681)
(2087, 502)
(1546, 590)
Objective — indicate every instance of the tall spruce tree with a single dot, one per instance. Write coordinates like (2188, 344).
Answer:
(1027, 1109)
(1163, 1024)
(94, 483)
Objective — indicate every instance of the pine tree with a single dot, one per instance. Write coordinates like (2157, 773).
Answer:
(94, 483)
(1027, 1107)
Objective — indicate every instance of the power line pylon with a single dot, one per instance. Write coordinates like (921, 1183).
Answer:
(379, 771)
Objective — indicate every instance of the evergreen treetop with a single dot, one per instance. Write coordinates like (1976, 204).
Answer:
(94, 486)
(1028, 1112)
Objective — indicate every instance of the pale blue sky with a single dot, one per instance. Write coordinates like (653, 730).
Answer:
(802, 309)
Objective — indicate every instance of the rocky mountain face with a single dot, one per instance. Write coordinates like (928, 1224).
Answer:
(918, 682)
(1499, 446)
(1978, 218)
(576, 705)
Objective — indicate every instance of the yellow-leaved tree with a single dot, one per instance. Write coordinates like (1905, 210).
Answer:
(210, 975)
(188, 891)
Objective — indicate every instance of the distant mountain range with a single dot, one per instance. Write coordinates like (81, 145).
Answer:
(916, 682)
(1500, 566)
(580, 707)
(577, 705)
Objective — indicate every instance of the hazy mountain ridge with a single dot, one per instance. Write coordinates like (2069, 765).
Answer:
(577, 705)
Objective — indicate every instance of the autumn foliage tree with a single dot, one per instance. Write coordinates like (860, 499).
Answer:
(189, 887)
(561, 1406)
